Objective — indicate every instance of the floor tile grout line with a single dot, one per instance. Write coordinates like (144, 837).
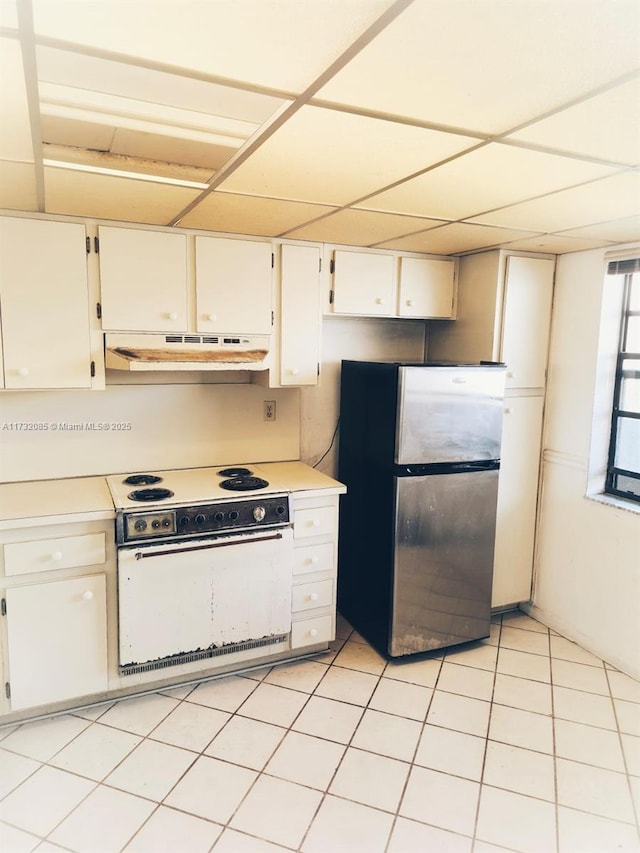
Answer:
(556, 791)
(474, 837)
(634, 806)
(413, 757)
(325, 793)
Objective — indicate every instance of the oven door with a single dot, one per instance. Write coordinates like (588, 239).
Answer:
(185, 600)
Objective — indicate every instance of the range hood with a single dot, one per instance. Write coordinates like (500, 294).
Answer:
(156, 351)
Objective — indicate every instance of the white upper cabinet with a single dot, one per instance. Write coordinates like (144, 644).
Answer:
(233, 286)
(526, 320)
(143, 280)
(426, 288)
(390, 285)
(45, 304)
(363, 284)
(299, 315)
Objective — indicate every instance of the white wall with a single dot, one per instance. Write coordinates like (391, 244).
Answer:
(162, 426)
(587, 575)
(350, 338)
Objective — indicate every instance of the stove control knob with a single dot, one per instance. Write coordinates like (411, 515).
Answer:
(166, 522)
(280, 509)
(140, 525)
(155, 524)
(218, 516)
(200, 518)
(259, 513)
(183, 521)
(234, 515)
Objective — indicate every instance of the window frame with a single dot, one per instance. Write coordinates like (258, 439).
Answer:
(628, 268)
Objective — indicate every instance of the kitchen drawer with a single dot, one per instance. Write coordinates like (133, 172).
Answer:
(45, 555)
(313, 558)
(314, 522)
(307, 596)
(308, 632)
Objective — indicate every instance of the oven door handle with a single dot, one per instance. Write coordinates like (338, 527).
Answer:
(241, 540)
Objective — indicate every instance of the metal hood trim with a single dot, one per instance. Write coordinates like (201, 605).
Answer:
(155, 351)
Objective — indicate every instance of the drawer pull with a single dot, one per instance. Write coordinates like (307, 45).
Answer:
(315, 522)
(172, 315)
(23, 371)
(87, 596)
(57, 556)
(313, 596)
(313, 632)
(313, 560)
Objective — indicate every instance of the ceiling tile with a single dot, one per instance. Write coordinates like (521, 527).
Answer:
(15, 129)
(241, 214)
(454, 238)
(107, 197)
(9, 13)
(18, 186)
(334, 158)
(557, 245)
(360, 227)
(149, 86)
(471, 65)
(606, 127)
(610, 198)
(625, 230)
(489, 177)
(283, 44)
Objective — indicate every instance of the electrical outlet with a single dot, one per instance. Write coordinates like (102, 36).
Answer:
(269, 410)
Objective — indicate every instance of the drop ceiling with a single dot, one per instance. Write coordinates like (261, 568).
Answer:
(440, 126)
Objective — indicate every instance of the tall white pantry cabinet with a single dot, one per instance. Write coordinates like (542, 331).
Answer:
(504, 314)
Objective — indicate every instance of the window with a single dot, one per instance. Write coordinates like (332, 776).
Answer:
(623, 468)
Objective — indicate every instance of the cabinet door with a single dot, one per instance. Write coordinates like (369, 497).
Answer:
(143, 280)
(300, 315)
(45, 304)
(526, 320)
(517, 500)
(233, 286)
(426, 287)
(57, 639)
(363, 284)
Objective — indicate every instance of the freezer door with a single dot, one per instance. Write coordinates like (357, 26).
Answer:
(443, 560)
(448, 414)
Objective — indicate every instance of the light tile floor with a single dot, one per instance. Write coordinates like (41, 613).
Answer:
(523, 742)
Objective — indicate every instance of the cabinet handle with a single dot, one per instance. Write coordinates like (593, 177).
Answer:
(294, 371)
(314, 561)
(87, 596)
(172, 316)
(315, 522)
(57, 555)
(507, 411)
(211, 317)
(511, 374)
(23, 371)
(313, 596)
(313, 632)
(379, 300)
(410, 302)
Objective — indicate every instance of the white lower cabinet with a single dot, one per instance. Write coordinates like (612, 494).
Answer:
(517, 500)
(57, 584)
(57, 640)
(313, 599)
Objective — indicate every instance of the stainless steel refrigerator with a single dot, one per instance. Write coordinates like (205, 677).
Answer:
(420, 455)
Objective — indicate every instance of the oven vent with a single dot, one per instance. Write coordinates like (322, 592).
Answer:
(191, 657)
(173, 339)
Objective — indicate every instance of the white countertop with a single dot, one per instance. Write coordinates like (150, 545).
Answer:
(61, 501)
(88, 498)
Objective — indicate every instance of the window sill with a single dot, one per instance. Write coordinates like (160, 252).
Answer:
(618, 503)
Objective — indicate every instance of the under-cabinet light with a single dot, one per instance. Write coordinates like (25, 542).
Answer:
(120, 173)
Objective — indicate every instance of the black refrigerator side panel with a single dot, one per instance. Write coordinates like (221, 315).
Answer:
(368, 402)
